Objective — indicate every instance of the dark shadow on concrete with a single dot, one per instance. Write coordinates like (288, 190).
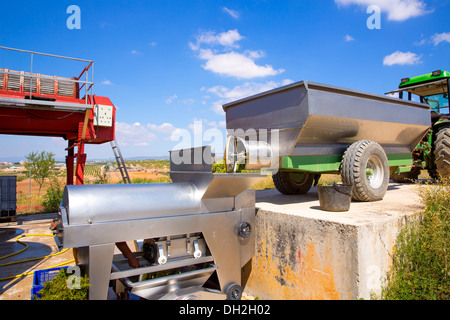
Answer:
(275, 197)
(37, 247)
(38, 217)
(6, 234)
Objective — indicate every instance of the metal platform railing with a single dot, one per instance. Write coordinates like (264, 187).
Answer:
(30, 80)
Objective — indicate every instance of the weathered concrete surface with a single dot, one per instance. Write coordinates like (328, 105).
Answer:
(302, 252)
(306, 253)
(38, 246)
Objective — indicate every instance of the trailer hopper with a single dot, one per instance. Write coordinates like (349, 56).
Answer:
(305, 128)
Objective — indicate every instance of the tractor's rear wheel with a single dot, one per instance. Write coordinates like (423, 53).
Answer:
(365, 166)
(442, 153)
(293, 182)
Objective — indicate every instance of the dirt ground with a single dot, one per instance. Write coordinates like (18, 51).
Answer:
(24, 185)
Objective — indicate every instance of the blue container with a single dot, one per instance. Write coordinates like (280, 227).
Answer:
(40, 277)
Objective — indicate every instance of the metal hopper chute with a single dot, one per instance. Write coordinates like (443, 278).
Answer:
(194, 234)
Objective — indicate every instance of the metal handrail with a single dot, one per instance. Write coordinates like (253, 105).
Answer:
(46, 77)
(45, 54)
(85, 70)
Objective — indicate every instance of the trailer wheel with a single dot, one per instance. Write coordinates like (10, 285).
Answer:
(234, 292)
(365, 166)
(442, 153)
(293, 182)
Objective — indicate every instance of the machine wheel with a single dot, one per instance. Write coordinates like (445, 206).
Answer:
(442, 153)
(293, 182)
(365, 166)
(234, 292)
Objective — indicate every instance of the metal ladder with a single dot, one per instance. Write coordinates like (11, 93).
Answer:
(120, 162)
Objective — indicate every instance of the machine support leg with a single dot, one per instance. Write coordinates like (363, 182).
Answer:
(81, 161)
(100, 262)
(70, 163)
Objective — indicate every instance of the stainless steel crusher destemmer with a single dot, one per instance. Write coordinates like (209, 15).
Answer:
(197, 232)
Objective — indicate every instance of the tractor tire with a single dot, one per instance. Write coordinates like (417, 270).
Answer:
(293, 182)
(442, 153)
(365, 166)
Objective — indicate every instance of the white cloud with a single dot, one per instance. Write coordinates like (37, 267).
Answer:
(236, 64)
(441, 37)
(226, 39)
(238, 92)
(348, 38)
(255, 54)
(135, 52)
(233, 13)
(171, 98)
(207, 123)
(402, 58)
(188, 101)
(165, 128)
(106, 82)
(134, 134)
(421, 42)
(229, 62)
(397, 10)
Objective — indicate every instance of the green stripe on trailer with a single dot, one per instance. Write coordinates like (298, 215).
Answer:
(331, 163)
(400, 159)
(312, 163)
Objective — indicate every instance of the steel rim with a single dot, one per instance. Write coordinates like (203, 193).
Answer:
(375, 172)
(298, 178)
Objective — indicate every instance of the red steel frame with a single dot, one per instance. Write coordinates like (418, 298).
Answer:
(66, 124)
(18, 116)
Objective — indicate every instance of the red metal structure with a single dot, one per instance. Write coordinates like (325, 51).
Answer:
(39, 105)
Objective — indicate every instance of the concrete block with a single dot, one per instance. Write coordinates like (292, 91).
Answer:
(305, 253)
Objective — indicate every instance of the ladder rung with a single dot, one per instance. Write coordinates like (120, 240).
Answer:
(120, 162)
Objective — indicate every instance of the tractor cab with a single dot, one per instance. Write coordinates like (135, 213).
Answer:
(431, 88)
(433, 152)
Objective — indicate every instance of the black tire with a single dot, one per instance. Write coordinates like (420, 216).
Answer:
(358, 159)
(442, 153)
(234, 292)
(293, 182)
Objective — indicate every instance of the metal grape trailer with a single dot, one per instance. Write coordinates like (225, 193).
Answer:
(306, 129)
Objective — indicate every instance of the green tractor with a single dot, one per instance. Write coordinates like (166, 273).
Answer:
(433, 152)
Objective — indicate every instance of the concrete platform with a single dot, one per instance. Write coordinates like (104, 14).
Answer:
(306, 253)
(302, 251)
(38, 246)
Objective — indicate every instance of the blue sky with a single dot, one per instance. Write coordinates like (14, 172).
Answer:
(167, 64)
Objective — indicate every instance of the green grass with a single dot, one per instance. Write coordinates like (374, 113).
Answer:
(267, 183)
(57, 288)
(151, 164)
(157, 180)
(421, 259)
(29, 205)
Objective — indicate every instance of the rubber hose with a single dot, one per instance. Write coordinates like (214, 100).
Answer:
(31, 259)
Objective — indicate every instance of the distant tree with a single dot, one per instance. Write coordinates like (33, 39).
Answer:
(41, 165)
